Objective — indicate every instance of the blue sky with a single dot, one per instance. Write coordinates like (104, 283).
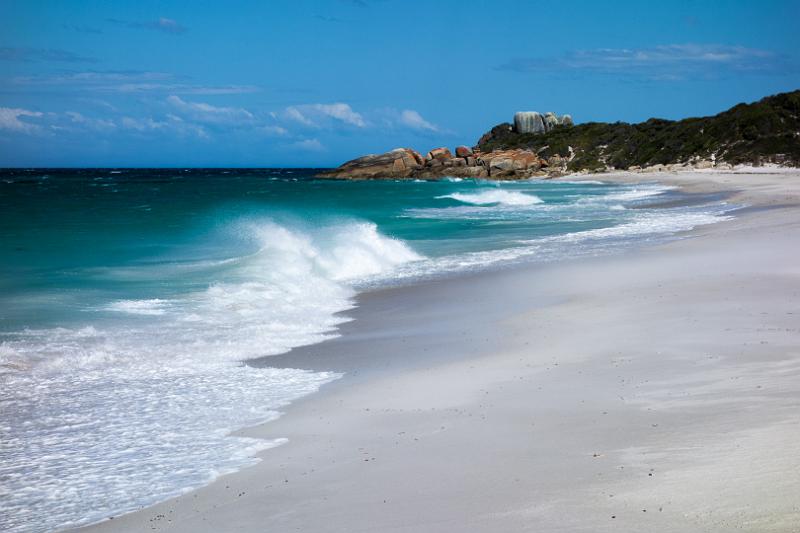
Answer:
(313, 83)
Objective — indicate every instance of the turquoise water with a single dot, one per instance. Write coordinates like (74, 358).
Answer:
(129, 298)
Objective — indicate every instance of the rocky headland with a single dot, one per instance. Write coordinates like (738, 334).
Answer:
(466, 162)
(548, 145)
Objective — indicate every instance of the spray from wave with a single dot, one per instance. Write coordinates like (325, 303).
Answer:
(155, 388)
(494, 196)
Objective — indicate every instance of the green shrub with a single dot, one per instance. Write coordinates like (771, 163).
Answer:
(767, 130)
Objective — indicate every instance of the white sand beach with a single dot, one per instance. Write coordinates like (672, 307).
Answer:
(653, 390)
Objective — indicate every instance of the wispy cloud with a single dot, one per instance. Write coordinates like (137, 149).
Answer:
(10, 120)
(207, 113)
(673, 61)
(171, 123)
(321, 115)
(142, 124)
(412, 119)
(94, 77)
(161, 24)
(10, 53)
(274, 130)
(180, 88)
(97, 124)
(310, 145)
(48, 123)
(390, 118)
(292, 113)
(131, 82)
(171, 116)
(301, 127)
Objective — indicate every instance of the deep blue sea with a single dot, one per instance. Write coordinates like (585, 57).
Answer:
(129, 299)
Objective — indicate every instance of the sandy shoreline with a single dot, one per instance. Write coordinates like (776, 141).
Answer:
(655, 390)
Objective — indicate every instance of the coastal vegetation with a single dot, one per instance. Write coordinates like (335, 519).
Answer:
(756, 133)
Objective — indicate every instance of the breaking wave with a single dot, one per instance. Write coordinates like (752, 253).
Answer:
(495, 196)
(138, 406)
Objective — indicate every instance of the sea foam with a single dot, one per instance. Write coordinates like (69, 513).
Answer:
(494, 196)
(104, 418)
(153, 306)
(642, 227)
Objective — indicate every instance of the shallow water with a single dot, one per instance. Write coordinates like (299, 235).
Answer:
(128, 300)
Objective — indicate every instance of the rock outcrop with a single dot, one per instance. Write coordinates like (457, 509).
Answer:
(463, 151)
(441, 154)
(501, 131)
(534, 122)
(551, 121)
(512, 163)
(528, 122)
(406, 163)
(398, 163)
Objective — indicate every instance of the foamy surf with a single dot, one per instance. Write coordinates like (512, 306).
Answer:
(161, 395)
(153, 306)
(495, 196)
(638, 193)
(655, 227)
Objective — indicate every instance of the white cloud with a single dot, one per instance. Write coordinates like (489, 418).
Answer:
(666, 55)
(413, 120)
(311, 145)
(172, 123)
(42, 54)
(292, 113)
(168, 25)
(142, 124)
(182, 88)
(91, 123)
(341, 112)
(273, 130)
(186, 128)
(671, 61)
(316, 115)
(130, 82)
(95, 76)
(9, 120)
(203, 112)
(161, 24)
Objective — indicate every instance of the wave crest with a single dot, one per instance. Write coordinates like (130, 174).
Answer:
(495, 196)
(162, 391)
(345, 252)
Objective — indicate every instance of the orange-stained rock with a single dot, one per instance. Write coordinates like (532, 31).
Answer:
(463, 151)
(511, 162)
(439, 163)
(439, 153)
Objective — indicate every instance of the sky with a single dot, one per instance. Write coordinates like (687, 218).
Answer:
(314, 83)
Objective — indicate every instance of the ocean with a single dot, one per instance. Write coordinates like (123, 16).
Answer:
(129, 299)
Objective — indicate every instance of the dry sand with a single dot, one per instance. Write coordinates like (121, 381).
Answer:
(656, 390)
